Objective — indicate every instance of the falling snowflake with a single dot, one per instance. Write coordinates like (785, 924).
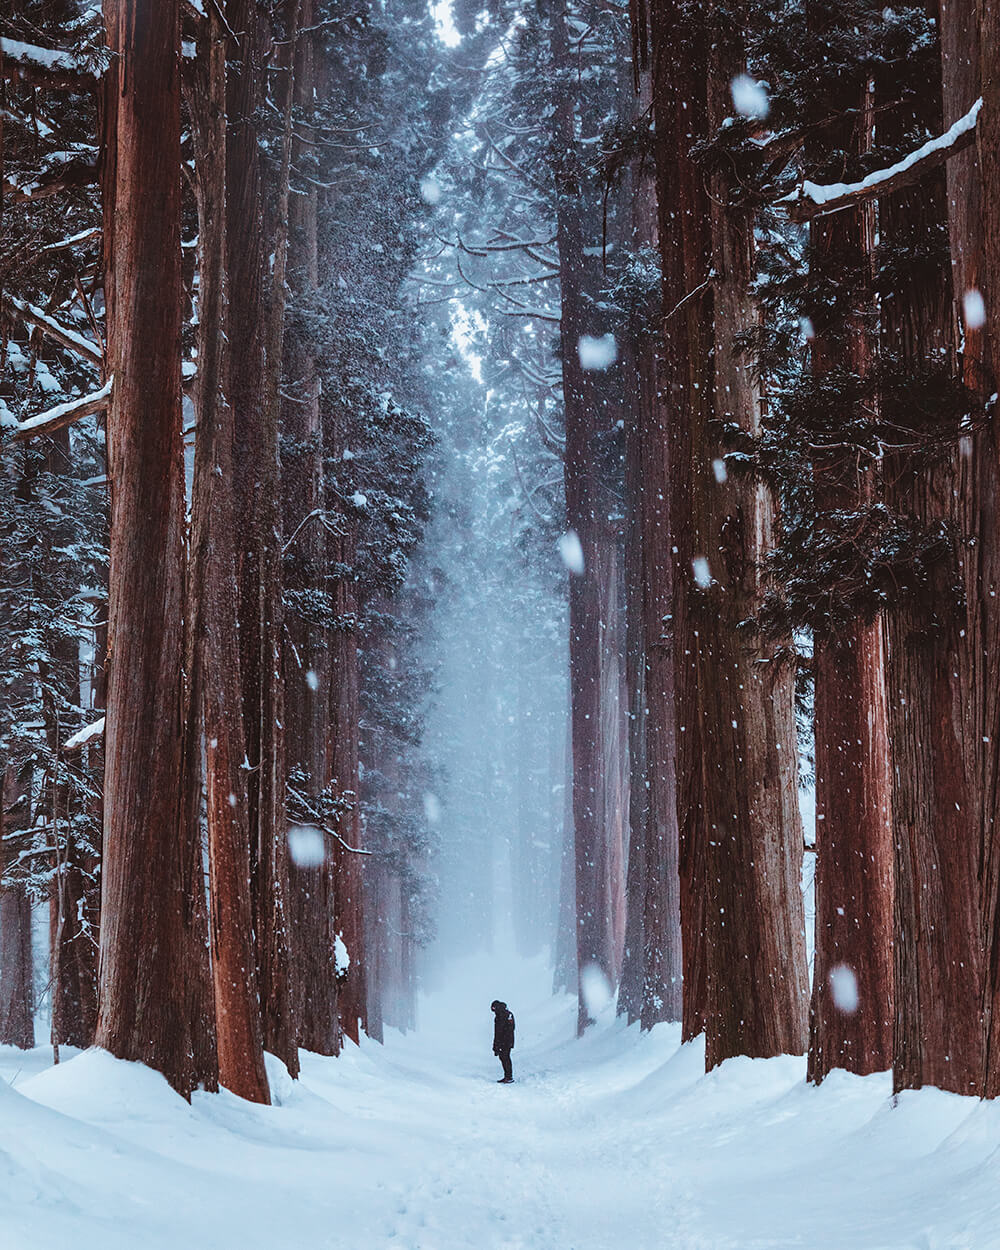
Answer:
(844, 988)
(750, 97)
(974, 308)
(306, 846)
(571, 550)
(597, 353)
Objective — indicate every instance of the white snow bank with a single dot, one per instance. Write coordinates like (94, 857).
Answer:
(617, 1139)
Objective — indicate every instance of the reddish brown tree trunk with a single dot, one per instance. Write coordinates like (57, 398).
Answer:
(988, 153)
(74, 889)
(737, 799)
(344, 712)
(686, 389)
(854, 865)
(73, 946)
(598, 825)
(17, 999)
(565, 974)
(654, 894)
(155, 990)
(255, 320)
(757, 976)
(215, 713)
(988, 150)
(946, 815)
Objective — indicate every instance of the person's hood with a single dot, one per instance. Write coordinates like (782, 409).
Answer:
(497, 1005)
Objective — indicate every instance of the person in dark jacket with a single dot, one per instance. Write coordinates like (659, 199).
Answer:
(503, 1038)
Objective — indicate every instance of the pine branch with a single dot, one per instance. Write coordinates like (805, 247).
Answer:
(63, 414)
(813, 200)
(52, 329)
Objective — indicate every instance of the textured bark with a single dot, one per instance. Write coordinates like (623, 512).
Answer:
(946, 812)
(598, 818)
(74, 948)
(347, 865)
(757, 978)
(155, 992)
(255, 320)
(686, 389)
(215, 713)
(613, 742)
(17, 998)
(565, 976)
(854, 865)
(307, 659)
(741, 905)
(633, 962)
(988, 141)
(73, 897)
(376, 949)
(988, 153)
(654, 897)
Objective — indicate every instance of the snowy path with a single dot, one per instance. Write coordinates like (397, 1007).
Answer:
(614, 1141)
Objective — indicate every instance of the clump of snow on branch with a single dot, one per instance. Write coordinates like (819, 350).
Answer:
(597, 353)
(931, 150)
(750, 97)
(571, 550)
(306, 846)
(844, 988)
(82, 736)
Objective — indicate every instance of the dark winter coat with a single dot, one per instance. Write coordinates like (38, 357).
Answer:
(503, 1029)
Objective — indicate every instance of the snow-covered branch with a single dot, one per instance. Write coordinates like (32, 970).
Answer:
(52, 329)
(63, 414)
(815, 200)
(75, 171)
(89, 733)
(44, 67)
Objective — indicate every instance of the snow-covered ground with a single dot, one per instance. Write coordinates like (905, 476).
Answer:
(618, 1140)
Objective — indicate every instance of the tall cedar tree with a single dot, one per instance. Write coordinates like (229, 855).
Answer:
(946, 843)
(251, 390)
(597, 718)
(652, 978)
(155, 1003)
(746, 980)
(215, 712)
(854, 870)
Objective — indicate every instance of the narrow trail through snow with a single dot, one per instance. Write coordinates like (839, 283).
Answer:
(616, 1140)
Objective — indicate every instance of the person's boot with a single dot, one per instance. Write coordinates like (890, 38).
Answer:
(506, 1080)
